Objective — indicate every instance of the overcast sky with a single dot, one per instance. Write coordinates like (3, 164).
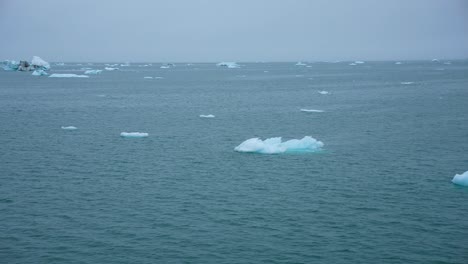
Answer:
(235, 30)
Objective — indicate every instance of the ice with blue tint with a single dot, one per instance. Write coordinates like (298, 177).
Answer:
(67, 75)
(133, 134)
(230, 65)
(110, 69)
(147, 77)
(69, 128)
(39, 63)
(406, 83)
(10, 65)
(39, 73)
(207, 116)
(359, 62)
(461, 179)
(324, 92)
(93, 72)
(300, 63)
(276, 146)
(312, 110)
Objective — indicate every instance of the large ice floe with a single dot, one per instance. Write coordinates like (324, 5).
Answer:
(36, 64)
(93, 72)
(67, 75)
(276, 146)
(69, 128)
(311, 110)
(39, 73)
(39, 63)
(461, 179)
(230, 65)
(133, 134)
(207, 116)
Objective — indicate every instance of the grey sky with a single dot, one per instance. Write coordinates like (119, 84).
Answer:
(237, 30)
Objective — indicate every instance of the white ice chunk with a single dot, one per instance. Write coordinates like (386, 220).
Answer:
(323, 92)
(276, 146)
(59, 64)
(359, 62)
(93, 72)
(300, 63)
(435, 60)
(398, 63)
(352, 64)
(461, 179)
(39, 73)
(406, 83)
(10, 65)
(312, 110)
(67, 75)
(110, 69)
(133, 134)
(147, 77)
(230, 65)
(37, 62)
(69, 128)
(207, 116)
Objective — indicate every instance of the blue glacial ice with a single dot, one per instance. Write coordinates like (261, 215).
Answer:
(323, 92)
(300, 63)
(359, 62)
(461, 179)
(276, 146)
(110, 69)
(93, 72)
(133, 134)
(10, 65)
(407, 83)
(207, 116)
(39, 63)
(39, 73)
(312, 110)
(69, 128)
(147, 77)
(67, 75)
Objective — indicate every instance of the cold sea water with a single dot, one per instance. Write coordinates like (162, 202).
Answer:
(379, 190)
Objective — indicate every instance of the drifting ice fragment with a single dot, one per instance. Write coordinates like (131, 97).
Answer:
(461, 179)
(323, 92)
(133, 134)
(10, 65)
(406, 83)
(147, 77)
(39, 73)
(207, 116)
(110, 69)
(359, 62)
(69, 128)
(67, 75)
(352, 64)
(230, 65)
(312, 111)
(39, 63)
(276, 146)
(93, 72)
(398, 63)
(300, 63)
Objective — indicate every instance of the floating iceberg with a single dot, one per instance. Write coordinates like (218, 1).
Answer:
(300, 63)
(435, 60)
(230, 65)
(93, 72)
(167, 66)
(125, 64)
(312, 110)
(461, 179)
(59, 64)
(323, 92)
(359, 62)
(276, 146)
(39, 73)
(207, 116)
(10, 65)
(69, 128)
(352, 64)
(406, 83)
(38, 63)
(133, 134)
(398, 63)
(164, 67)
(67, 75)
(110, 69)
(147, 77)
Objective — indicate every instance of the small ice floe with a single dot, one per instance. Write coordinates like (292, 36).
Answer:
(69, 128)
(265, 71)
(133, 134)
(435, 60)
(359, 62)
(59, 64)
(323, 92)
(164, 67)
(67, 75)
(407, 83)
(461, 179)
(300, 63)
(111, 65)
(312, 110)
(167, 66)
(398, 63)
(308, 66)
(352, 64)
(93, 71)
(276, 146)
(39, 73)
(125, 64)
(147, 77)
(447, 63)
(110, 69)
(207, 116)
(230, 65)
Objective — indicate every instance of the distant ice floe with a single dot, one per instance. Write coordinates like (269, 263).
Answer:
(59, 64)
(86, 68)
(69, 128)
(39, 73)
(110, 69)
(461, 179)
(125, 64)
(435, 60)
(147, 77)
(230, 65)
(36, 64)
(359, 62)
(207, 116)
(67, 75)
(168, 66)
(312, 110)
(158, 77)
(352, 64)
(323, 92)
(276, 146)
(133, 134)
(398, 63)
(300, 63)
(407, 83)
(93, 72)
(447, 63)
